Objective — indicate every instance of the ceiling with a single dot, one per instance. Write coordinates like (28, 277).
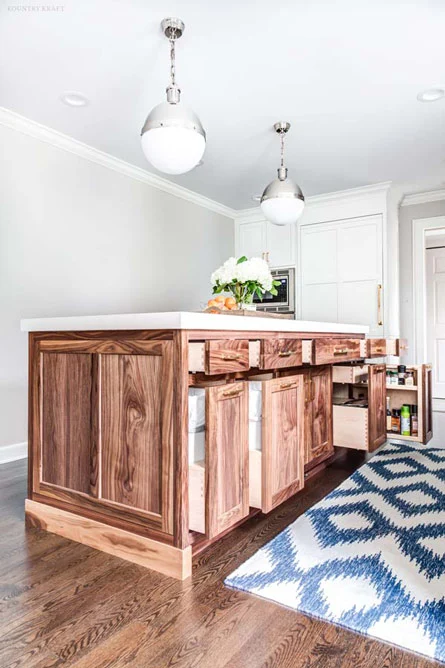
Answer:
(345, 74)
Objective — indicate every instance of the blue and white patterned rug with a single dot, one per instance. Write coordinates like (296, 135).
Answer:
(370, 556)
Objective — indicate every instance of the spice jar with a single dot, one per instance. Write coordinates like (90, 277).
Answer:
(395, 421)
(401, 371)
(414, 421)
(409, 378)
(405, 420)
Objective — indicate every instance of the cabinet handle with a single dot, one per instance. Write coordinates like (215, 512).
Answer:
(232, 393)
(341, 351)
(286, 386)
(232, 356)
(284, 353)
(379, 304)
(379, 350)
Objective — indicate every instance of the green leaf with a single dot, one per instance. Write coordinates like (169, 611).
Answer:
(276, 282)
(273, 292)
(243, 258)
(259, 293)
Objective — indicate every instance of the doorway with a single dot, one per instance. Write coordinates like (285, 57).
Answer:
(435, 307)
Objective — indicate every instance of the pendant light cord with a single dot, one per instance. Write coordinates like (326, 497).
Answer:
(172, 57)
(282, 148)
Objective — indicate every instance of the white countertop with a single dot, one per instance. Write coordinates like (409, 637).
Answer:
(184, 320)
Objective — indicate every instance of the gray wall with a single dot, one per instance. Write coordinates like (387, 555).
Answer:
(406, 215)
(78, 238)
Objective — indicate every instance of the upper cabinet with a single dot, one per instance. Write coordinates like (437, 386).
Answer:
(259, 238)
(342, 272)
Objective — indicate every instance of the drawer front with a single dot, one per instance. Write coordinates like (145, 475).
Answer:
(226, 356)
(376, 347)
(280, 353)
(328, 351)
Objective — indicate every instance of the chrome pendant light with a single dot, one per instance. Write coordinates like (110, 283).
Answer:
(282, 202)
(173, 138)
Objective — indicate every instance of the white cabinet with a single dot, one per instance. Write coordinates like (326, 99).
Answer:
(251, 239)
(259, 238)
(342, 272)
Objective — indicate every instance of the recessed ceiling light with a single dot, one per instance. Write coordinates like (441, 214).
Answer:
(431, 95)
(74, 99)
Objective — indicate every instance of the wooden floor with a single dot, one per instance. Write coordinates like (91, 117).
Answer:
(63, 604)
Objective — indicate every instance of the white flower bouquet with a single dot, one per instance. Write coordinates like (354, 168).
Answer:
(244, 278)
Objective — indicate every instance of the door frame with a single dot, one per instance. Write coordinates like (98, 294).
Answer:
(419, 228)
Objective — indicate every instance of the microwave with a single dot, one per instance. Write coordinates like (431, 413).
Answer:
(284, 301)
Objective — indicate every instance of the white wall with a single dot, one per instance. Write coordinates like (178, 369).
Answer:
(78, 238)
(406, 216)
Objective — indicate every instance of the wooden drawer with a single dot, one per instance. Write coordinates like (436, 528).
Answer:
(280, 353)
(226, 356)
(351, 427)
(328, 351)
(376, 348)
(397, 347)
(350, 374)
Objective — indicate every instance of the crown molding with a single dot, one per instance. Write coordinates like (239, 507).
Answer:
(33, 129)
(423, 198)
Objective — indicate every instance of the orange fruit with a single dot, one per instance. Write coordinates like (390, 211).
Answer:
(230, 303)
(219, 298)
(212, 302)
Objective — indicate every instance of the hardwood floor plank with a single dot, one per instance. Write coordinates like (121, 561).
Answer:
(64, 604)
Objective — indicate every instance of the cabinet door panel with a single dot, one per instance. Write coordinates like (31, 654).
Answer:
(251, 239)
(426, 403)
(227, 456)
(136, 425)
(283, 439)
(69, 445)
(320, 437)
(319, 303)
(376, 406)
(280, 245)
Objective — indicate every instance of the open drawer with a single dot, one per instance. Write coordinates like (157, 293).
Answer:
(276, 472)
(332, 351)
(219, 485)
(359, 411)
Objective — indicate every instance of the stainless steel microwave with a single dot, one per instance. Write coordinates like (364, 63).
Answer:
(284, 301)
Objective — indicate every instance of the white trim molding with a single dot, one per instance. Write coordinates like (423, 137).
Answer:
(11, 453)
(33, 129)
(423, 198)
(419, 228)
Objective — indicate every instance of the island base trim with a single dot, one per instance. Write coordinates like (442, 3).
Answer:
(146, 552)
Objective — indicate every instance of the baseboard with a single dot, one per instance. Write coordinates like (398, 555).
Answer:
(11, 453)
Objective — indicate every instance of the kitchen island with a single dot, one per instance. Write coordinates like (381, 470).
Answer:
(110, 461)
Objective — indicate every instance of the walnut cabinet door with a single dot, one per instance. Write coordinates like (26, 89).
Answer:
(318, 414)
(227, 456)
(282, 440)
(103, 428)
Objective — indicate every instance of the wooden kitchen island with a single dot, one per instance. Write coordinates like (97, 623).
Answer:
(109, 460)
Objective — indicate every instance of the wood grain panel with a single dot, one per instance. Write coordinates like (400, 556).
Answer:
(136, 416)
(68, 439)
(227, 456)
(103, 347)
(143, 551)
(227, 356)
(282, 439)
(319, 438)
(376, 406)
(280, 353)
(330, 351)
(181, 442)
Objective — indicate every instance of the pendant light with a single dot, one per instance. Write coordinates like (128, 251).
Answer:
(173, 138)
(282, 202)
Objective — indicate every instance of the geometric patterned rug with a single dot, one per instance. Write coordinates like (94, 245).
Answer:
(370, 556)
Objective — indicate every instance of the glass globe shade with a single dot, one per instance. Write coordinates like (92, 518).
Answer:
(282, 210)
(173, 138)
